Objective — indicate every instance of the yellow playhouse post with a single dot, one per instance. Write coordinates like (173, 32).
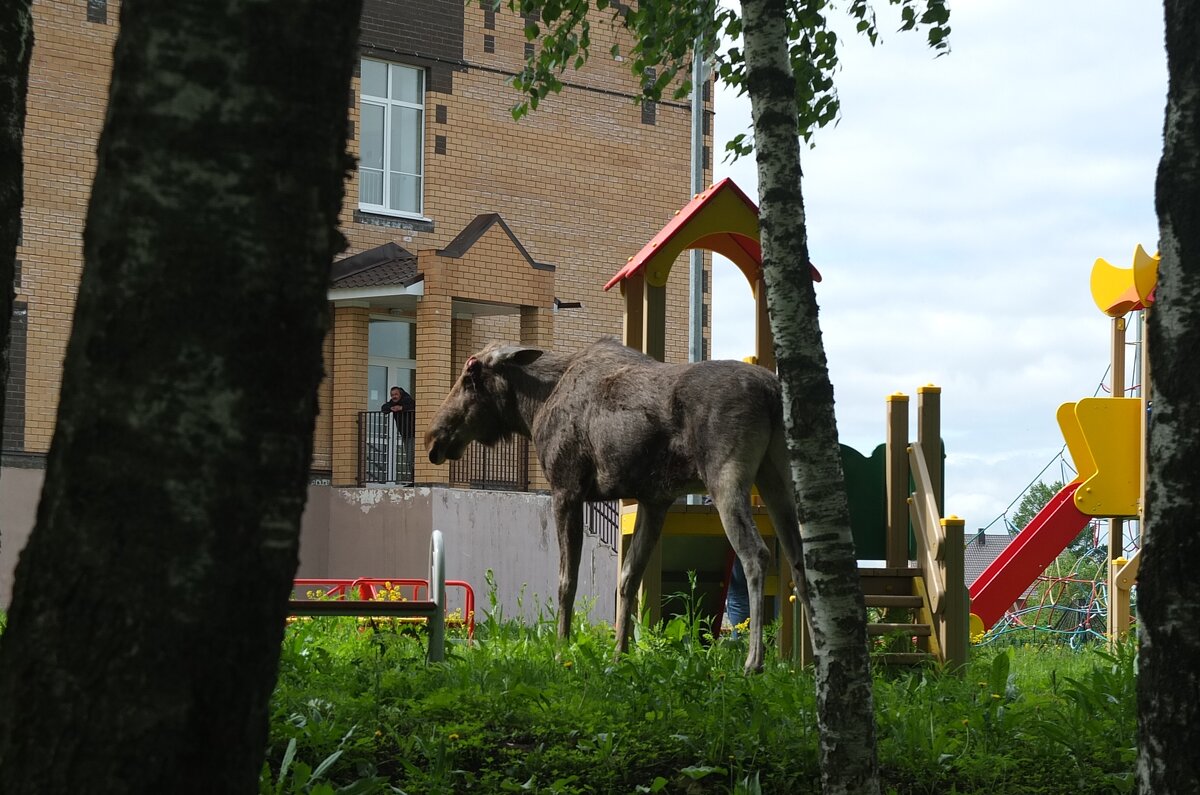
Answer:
(1115, 439)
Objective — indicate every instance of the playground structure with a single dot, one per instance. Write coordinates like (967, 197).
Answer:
(378, 597)
(724, 220)
(1106, 438)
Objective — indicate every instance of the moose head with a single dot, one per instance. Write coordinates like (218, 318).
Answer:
(482, 405)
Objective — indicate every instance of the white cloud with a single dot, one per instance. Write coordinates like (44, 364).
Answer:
(955, 212)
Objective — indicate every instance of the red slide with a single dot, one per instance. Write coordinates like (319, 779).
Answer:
(1027, 556)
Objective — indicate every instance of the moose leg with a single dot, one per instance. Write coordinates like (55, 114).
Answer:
(646, 531)
(733, 504)
(568, 519)
(775, 486)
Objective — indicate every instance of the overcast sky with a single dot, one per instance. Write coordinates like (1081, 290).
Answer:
(955, 212)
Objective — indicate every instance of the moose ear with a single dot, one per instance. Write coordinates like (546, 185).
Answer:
(512, 354)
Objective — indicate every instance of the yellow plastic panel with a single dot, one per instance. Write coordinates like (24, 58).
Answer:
(1111, 428)
(1076, 446)
(1118, 291)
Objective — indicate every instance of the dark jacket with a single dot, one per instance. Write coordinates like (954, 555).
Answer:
(405, 402)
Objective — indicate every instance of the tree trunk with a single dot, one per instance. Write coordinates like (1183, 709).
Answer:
(845, 709)
(1168, 588)
(149, 604)
(16, 45)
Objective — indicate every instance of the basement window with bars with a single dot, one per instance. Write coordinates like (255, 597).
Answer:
(392, 141)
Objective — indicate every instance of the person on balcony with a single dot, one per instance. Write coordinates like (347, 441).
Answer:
(401, 402)
(401, 407)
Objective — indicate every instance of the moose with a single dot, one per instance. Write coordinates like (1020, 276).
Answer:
(609, 422)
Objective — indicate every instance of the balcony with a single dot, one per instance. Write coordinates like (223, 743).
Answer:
(503, 467)
(386, 447)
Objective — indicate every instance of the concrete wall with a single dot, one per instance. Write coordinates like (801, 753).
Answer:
(384, 532)
(20, 490)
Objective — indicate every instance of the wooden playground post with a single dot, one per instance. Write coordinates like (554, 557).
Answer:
(929, 434)
(942, 557)
(953, 632)
(896, 478)
(764, 345)
(1118, 601)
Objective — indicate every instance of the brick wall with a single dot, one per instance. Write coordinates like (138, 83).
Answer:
(582, 183)
(68, 87)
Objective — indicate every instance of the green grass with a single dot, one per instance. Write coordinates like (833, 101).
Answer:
(358, 710)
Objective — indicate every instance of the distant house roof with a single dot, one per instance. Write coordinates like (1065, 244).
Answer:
(384, 265)
(979, 550)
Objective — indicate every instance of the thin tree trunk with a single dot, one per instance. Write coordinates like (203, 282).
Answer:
(149, 603)
(1168, 588)
(16, 45)
(845, 709)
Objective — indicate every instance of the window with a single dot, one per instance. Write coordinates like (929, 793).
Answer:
(392, 353)
(391, 167)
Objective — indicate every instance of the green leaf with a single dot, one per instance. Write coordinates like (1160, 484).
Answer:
(288, 755)
(998, 677)
(697, 772)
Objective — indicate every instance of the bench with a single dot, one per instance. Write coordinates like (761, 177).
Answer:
(359, 597)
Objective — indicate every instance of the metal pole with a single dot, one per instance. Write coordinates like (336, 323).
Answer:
(696, 272)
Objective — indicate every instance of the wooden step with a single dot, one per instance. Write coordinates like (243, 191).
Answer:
(893, 600)
(906, 630)
(902, 658)
(887, 581)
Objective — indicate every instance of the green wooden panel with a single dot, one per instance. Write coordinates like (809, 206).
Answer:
(867, 492)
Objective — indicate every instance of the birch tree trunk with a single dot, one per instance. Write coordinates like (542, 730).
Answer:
(845, 708)
(16, 45)
(1168, 586)
(149, 603)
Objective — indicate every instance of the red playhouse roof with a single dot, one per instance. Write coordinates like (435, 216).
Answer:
(721, 219)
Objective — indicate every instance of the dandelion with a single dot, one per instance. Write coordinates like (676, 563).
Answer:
(567, 663)
(966, 722)
(996, 696)
(453, 737)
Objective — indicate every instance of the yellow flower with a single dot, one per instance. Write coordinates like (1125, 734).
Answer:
(453, 737)
(567, 664)
(966, 722)
(996, 696)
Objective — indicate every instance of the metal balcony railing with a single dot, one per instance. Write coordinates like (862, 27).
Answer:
(385, 447)
(603, 520)
(503, 467)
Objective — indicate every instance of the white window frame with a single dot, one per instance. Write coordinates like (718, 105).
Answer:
(389, 105)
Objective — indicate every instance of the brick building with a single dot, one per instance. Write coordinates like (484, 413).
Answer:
(464, 225)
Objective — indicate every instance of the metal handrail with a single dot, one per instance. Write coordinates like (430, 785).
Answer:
(386, 447)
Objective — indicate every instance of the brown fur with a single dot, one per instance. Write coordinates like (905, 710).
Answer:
(609, 422)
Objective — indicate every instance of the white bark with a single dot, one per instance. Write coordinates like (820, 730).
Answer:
(846, 719)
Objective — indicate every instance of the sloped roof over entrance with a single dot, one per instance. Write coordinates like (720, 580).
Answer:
(472, 232)
(386, 265)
